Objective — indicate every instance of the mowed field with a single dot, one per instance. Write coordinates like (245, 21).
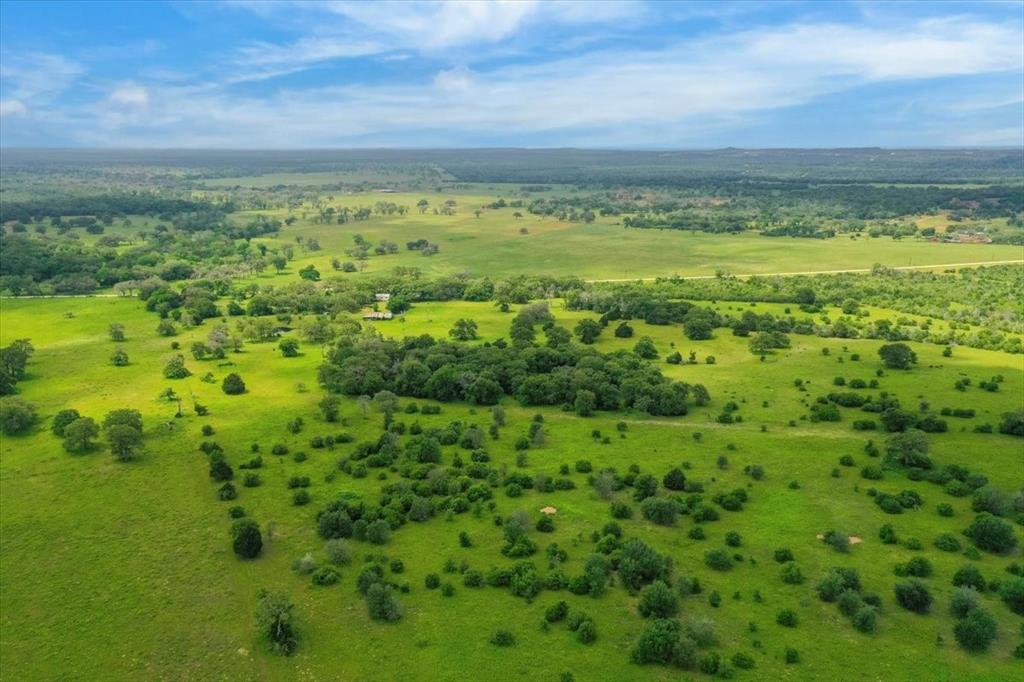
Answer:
(125, 571)
(494, 245)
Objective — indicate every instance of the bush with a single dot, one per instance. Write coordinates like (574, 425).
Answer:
(965, 600)
(586, 633)
(657, 600)
(338, 552)
(919, 567)
(786, 618)
(381, 603)
(782, 555)
(991, 533)
(1012, 593)
(432, 581)
(865, 619)
(947, 542)
(61, 420)
(837, 581)
(301, 497)
(976, 631)
(233, 384)
(660, 511)
(657, 643)
(945, 509)
(246, 539)
(557, 612)
(743, 661)
(503, 638)
(16, 416)
(791, 574)
(326, 576)
(378, 532)
(718, 559)
(274, 615)
(913, 596)
(792, 656)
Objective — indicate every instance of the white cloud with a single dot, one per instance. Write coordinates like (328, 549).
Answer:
(36, 77)
(676, 94)
(130, 95)
(13, 107)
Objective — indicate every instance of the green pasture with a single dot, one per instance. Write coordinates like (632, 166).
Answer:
(125, 571)
(494, 245)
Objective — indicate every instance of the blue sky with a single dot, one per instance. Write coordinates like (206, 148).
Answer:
(246, 74)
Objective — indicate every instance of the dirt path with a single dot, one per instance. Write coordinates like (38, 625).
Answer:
(822, 272)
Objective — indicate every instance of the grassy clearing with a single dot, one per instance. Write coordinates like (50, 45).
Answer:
(97, 549)
(493, 245)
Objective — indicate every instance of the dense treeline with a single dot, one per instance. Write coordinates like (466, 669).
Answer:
(141, 203)
(557, 373)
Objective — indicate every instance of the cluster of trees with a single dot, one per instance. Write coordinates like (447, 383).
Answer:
(553, 374)
(13, 361)
(123, 430)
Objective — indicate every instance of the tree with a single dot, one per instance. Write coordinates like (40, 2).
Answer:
(991, 533)
(310, 273)
(274, 616)
(330, 407)
(123, 417)
(657, 643)
(1012, 423)
(116, 331)
(246, 539)
(289, 347)
(657, 600)
(645, 348)
(587, 331)
(897, 356)
(596, 570)
(16, 416)
(125, 441)
(61, 420)
(387, 403)
(585, 403)
(675, 479)
(78, 435)
(976, 631)
(166, 328)
(698, 329)
(913, 596)
(381, 603)
(233, 384)
(463, 330)
(175, 368)
(484, 391)
(908, 449)
(623, 331)
(1011, 591)
(119, 358)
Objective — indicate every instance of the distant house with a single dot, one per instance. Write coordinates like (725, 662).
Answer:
(382, 297)
(377, 315)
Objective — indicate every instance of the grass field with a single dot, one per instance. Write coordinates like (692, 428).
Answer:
(125, 571)
(493, 245)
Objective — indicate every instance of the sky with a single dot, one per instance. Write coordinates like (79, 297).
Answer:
(609, 74)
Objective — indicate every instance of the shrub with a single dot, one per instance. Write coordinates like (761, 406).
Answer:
(246, 539)
(233, 384)
(718, 559)
(557, 612)
(378, 532)
(786, 618)
(16, 416)
(991, 533)
(945, 509)
(432, 581)
(1012, 593)
(965, 600)
(274, 615)
(791, 574)
(338, 552)
(252, 481)
(913, 596)
(658, 601)
(743, 661)
(733, 539)
(947, 542)
(660, 511)
(503, 638)
(976, 631)
(381, 603)
(326, 576)
(919, 567)
(586, 633)
(61, 420)
(657, 643)
(782, 555)
(838, 580)
(865, 619)
(301, 497)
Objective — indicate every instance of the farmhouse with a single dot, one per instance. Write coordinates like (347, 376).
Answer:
(377, 315)
(382, 297)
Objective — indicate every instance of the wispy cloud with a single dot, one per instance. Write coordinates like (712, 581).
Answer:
(677, 90)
